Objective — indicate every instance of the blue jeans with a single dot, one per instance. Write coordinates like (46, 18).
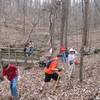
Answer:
(13, 87)
(63, 57)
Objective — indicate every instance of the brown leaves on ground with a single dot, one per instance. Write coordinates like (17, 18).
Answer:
(31, 80)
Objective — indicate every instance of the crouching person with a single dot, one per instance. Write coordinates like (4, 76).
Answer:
(51, 71)
(10, 72)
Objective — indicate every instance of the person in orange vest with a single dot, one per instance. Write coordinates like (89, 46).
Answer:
(51, 71)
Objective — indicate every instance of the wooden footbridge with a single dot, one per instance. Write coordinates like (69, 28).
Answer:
(17, 55)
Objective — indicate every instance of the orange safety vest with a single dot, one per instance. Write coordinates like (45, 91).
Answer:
(51, 68)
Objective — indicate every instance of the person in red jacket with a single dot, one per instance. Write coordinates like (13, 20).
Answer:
(10, 71)
(63, 53)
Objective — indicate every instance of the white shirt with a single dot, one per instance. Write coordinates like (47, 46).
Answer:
(71, 57)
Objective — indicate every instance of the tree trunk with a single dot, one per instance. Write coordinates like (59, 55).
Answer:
(67, 14)
(24, 14)
(51, 28)
(18, 3)
(52, 19)
(62, 23)
(0, 7)
(84, 36)
(85, 40)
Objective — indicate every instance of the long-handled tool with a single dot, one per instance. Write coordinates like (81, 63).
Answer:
(57, 82)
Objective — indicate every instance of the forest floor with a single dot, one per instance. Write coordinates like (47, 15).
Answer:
(31, 79)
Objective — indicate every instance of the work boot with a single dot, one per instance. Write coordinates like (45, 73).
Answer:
(16, 98)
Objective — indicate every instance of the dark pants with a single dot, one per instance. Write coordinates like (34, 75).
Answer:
(53, 76)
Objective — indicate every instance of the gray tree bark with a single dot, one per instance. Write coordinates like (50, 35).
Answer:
(84, 36)
(67, 16)
(63, 18)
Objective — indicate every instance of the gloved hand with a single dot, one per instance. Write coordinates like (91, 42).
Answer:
(19, 77)
(60, 69)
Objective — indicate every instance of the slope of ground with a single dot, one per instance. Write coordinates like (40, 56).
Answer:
(31, 81)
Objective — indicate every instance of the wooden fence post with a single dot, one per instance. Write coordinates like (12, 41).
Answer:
(15, 57)
(9, 53)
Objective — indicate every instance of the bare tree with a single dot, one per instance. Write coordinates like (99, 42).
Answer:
(0, 6)
(52, 18)
(67, 14)
(86, 23)
(24, 14)
(84, 37)
(62, 23)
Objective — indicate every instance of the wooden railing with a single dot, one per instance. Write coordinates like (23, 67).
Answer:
(16, 55)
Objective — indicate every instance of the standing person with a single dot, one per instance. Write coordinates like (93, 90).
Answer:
(31, 47)
(63, 54)
(66, 53)
(51, 71)
(10, 72)
(72, 61)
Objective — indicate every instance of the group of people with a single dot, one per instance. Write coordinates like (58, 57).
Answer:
(51, 70)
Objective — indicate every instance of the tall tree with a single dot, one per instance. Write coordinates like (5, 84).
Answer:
(86, 22)
(24, 15)
(67, 15)
(62, 23)
(0, 6)
(85, 6)
(52, 18)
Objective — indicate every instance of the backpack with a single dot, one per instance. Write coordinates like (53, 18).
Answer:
(42, 64)
(48, 63)
(71, 62)
(67, 53)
